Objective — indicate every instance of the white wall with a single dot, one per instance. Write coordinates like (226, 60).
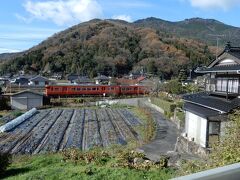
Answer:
(196, 127)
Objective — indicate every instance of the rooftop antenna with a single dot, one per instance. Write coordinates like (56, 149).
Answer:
(218, 36)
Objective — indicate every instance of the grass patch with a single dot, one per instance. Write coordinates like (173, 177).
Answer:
(148, 130)
(95, 164)
(181, 116)
(167, 106)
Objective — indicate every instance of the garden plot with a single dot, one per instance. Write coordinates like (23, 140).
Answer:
(58, 129)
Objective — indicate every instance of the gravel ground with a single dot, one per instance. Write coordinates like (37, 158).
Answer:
(165, 139)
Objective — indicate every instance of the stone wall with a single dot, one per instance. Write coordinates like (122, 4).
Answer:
(185, 146)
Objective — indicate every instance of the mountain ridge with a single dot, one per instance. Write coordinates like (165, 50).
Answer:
(116, 47)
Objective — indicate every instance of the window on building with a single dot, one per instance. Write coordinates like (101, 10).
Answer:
(224, 84)
(213, 133)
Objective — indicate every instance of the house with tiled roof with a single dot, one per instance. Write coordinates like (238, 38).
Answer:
(39, 81)
(207, 112)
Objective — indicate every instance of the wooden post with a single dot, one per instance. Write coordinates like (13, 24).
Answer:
(227, 88)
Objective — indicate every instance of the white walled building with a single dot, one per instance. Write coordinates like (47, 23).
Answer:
(206, 112)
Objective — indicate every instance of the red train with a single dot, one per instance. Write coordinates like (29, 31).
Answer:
(95, 90)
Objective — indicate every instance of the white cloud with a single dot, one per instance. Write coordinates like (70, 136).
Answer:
(6, 50)
(64, 12)
(214, 4)
(123, 17)
(22, 18)
(132, 4)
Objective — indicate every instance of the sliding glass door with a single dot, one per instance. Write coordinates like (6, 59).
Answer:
(230, 84)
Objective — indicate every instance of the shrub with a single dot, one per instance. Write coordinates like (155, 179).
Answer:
(17, 113)
(95, 156)
(5, 160)
(79, 100)
(165, 105)
(3, 104)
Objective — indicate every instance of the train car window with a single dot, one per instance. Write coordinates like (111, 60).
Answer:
(73, 89)
(51, 89)
(94, 89)
(109, 88)
(84, 89)
(89, 89)
(56, 89)
(65, 89)
(123, 89)
(79, 89)
(97, 89)
(135, 88)
(103, 88)
(112, 88)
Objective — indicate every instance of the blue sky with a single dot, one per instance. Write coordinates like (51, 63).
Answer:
(25, 23)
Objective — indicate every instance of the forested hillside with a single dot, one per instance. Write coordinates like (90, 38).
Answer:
(203, 30)
(112, 48)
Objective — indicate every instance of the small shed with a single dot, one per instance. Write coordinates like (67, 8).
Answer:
(26, 100)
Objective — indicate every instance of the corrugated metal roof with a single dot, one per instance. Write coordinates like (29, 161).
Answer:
(212, 102)
(28, 91)
(200, 111)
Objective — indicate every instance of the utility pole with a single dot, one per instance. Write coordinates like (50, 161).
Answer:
(218, 36)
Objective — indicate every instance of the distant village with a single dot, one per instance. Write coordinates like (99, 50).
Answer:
(197, 105)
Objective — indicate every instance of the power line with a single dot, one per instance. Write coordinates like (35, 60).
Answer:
(218, 36)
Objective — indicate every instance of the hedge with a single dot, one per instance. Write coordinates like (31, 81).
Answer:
(164, 104)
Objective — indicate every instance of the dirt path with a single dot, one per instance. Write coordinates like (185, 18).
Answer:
(165, 139)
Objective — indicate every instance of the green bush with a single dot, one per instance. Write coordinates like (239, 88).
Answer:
(165, 105)
(79, 100)
(3, 104)
(17, 113)
(5, 160)
(173, 87)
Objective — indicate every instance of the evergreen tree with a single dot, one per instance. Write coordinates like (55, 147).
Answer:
(182, 76)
